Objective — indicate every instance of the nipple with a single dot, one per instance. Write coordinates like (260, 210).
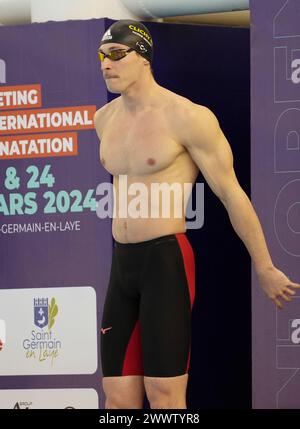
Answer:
(151, 161)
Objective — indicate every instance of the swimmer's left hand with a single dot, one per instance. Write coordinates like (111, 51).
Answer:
(277, 285)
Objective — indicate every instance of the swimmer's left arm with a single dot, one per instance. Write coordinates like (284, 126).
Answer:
(211, 152)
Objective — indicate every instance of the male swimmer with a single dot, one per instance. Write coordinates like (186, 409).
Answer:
(153, 135)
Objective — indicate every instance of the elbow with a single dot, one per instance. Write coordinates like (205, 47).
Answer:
(224, 201)
(229, 195)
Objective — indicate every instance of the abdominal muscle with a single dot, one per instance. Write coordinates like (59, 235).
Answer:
(135, 221)
(136, 230)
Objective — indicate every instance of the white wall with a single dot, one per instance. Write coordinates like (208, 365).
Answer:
(25, 11)
(162, 8)
(60, 10)
(15, 12)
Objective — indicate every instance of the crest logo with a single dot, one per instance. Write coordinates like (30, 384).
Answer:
(44, 314)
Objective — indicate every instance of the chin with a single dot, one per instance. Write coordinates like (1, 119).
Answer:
(113, 89)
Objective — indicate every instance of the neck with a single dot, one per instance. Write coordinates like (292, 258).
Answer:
(141, 94)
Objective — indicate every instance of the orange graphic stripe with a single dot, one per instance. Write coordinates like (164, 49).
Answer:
(20, 96)
(39, 146)
(41, 120)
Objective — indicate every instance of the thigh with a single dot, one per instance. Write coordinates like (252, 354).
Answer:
(120, 331)
(165, 312)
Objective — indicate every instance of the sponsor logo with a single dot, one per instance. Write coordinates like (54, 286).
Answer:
(141, 47)
(104, 330)
(41, 312)
(44, 313)
(48, 399)
(43, 345)
(138, 31)
(22, 405)
(107, 36)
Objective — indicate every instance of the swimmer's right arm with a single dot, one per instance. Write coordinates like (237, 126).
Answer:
(99, 118)
(102, 116)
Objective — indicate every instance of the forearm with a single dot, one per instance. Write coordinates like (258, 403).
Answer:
(247, 225)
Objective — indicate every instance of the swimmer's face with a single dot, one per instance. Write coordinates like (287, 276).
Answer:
(120, 75)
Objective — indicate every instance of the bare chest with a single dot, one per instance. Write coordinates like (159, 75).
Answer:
(138, 147)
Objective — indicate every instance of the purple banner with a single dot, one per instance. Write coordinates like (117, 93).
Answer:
(275, 59)
(55, 252)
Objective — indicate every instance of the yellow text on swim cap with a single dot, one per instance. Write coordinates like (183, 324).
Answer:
(139, 30)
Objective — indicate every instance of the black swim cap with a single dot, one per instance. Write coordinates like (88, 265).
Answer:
(132, 34)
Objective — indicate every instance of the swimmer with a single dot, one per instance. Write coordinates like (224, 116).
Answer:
(153, 135)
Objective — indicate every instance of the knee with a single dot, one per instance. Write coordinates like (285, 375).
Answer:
(168, 404)
(159, 399)
(167, 392)
(114, 402)
(118, 400)
(123, 392)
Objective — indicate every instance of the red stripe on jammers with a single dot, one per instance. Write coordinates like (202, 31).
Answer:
(189, 263)
(133, 364)
(189, 266)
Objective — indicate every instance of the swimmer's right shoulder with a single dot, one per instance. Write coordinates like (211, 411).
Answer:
(102, 115)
